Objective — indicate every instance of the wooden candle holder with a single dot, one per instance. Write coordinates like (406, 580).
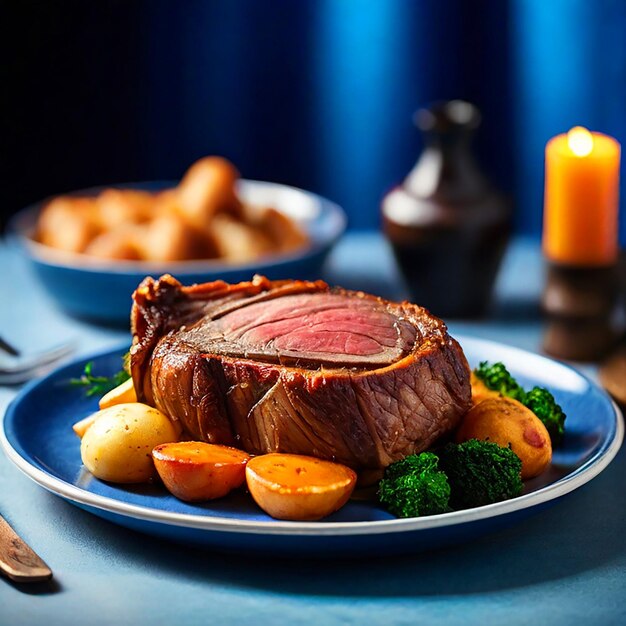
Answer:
(582, 306)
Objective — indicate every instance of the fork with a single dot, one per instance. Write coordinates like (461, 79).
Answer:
(17, 369)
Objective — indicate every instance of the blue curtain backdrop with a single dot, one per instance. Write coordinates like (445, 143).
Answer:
(315, 93)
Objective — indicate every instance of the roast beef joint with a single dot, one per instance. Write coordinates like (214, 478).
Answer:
(297, 367)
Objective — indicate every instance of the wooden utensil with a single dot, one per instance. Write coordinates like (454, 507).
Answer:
(18, 560)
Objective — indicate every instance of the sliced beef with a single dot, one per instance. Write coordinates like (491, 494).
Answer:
(307, 330)
(295, 366)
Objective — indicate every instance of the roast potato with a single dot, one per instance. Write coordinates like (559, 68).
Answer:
(480, 391)
(208, 188)
(508, 422)
(283, 233)
(195, 471)
(201, 218)
(80, 427)
(119, 395)
(124, 243)
(296, 487)
(237, 242)
(124, 206)
(68, 223)
(168, 238)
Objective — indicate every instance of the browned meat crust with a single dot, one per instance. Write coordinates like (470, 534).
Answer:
(365, 410)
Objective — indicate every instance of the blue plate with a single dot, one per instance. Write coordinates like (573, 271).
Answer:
(37, 436)
(101, 290)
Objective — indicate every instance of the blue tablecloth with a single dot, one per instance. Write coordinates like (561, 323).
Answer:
(566, 565)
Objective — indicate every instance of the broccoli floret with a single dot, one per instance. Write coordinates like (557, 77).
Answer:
(498, 378)
(480, 472)
(459, 476)
(542, 403)
(415, 486)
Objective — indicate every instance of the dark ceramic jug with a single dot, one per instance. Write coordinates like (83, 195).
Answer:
(447, 225)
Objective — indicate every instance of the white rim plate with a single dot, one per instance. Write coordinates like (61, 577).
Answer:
(575, 479)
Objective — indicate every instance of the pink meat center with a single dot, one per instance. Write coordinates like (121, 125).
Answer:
(320, 324)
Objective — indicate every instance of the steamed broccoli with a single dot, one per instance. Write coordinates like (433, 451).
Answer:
(480, 472)
(542, 403)
(415, 486)
(539, 400)
(498, 378)
(459, 476)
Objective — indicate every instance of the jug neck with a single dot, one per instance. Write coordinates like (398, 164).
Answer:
(447, 168)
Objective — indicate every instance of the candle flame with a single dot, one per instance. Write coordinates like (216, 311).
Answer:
(580, 141)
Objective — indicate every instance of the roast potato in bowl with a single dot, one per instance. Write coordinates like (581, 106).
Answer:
(99, 288)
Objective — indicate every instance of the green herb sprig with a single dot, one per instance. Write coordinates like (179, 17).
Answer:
(99, 385)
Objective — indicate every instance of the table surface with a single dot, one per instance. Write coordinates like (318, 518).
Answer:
(566, 565)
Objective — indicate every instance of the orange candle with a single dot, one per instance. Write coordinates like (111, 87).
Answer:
(581, 199)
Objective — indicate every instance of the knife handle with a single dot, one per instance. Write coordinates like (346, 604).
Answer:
(18, 560)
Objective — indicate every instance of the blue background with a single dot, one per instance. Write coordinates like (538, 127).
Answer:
(316, 93)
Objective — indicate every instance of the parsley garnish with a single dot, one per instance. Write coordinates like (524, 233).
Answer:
(99, 385)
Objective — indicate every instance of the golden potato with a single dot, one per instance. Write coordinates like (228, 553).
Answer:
(124, 243)
(284, 234)
(208, 188)
(118, 207)
(80, 427)
(201, 218)
(119, 395)
(166, 202)
(237, 242)
(118, 446)
(195, 471)
(295, 487)
(68, 223)
(480, 391)
(508, 422)
(169, 238)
